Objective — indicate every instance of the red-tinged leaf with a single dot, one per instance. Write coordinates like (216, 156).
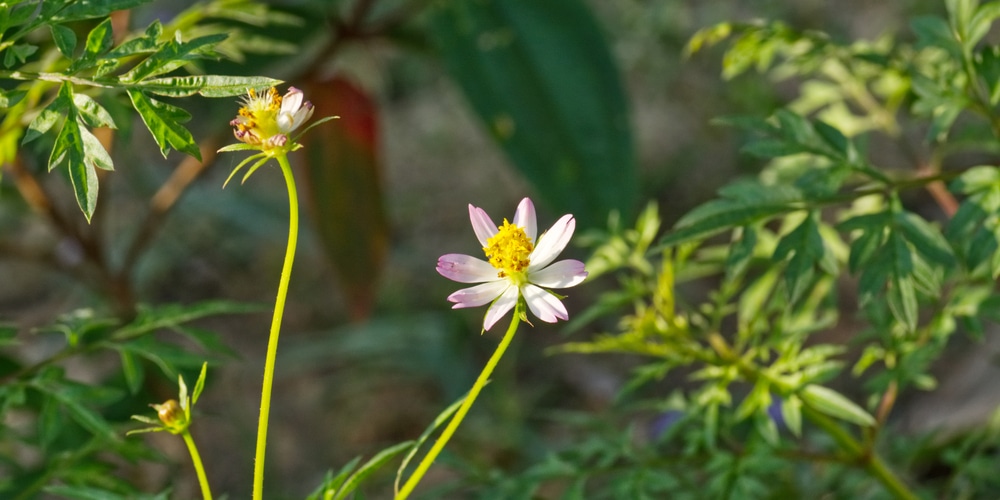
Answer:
(343, 182)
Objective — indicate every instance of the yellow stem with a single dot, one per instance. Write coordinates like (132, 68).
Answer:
(484, 376)
(272, 343)
(206, 492)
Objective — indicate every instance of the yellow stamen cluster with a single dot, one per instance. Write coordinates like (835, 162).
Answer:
(509, 250)
(257, 120)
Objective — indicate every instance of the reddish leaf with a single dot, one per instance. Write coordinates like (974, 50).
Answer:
(343, 183)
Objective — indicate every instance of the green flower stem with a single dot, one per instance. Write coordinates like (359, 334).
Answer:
(870, 460)
(484, 376)
(272, 343)
(206, 492)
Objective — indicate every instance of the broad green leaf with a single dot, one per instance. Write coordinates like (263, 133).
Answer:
(162, 121)
(70, 148)
(344, 182)
(541, 77)
(208, 86)
(45, 120)
(834, 404)
(64, 38)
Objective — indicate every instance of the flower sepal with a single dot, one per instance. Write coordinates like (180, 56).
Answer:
(174, 416)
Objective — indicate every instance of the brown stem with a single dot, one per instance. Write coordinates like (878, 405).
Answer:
(164, 200)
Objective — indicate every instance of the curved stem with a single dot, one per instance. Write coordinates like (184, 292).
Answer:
(272, 343)
(484, 376)
(206, 492)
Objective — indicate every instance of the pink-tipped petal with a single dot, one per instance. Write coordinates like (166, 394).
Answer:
(500, 307)
(524, 217)
(482, 225)
(465, 268)
(480, 294)
(292, 101)
(544, 305)
(562, 274)
(551, 242)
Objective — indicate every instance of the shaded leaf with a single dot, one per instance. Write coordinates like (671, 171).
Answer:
(163, 122)
(542, 79)
(344, 182)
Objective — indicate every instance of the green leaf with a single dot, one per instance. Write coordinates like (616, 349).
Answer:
(162, 121)
(74, 11)
(72, 148)
(541, 77)
(791, 413)
(805, 245)
(925, 238)
(64, 38)
(18, 54)
(200, 384)
(208, 86)
(93, 113)
(902, 299)
(133, 371)
(171, 56)
(438, 421)
(832, 403)
(94, 152)
(99, 40)
(742, 204)
(9, 98)
(370, 467)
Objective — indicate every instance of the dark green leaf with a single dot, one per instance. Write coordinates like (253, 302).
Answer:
(805, 244)
(73, 11)
(902, 301)
(99, 41)
(925, 239)
(542, 79)
(18, 54)
(133, 370)
(161, 120)
(8, 98)
(64, 38)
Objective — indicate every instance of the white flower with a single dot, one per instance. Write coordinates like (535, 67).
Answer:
(519, 266)
(266, 119)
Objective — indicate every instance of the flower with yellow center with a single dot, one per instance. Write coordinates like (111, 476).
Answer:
(266, 118)
(519, 266)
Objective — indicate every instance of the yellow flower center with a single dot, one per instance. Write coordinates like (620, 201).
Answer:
(260, 114)
(508, 251)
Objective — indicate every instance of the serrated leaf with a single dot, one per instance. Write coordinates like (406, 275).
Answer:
(64, 38)
(171, 56)
(925, 239)
(742, 204)
(161, 120)
(834, 404)
(206, 85)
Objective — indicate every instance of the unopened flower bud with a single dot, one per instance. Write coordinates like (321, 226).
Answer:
(172, 415)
